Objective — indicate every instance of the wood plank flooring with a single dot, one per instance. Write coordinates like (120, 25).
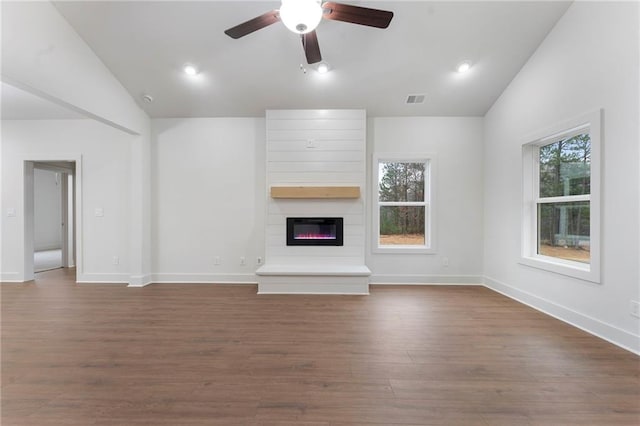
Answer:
(222, 355)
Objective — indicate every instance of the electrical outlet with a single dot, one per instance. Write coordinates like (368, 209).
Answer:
(259, 260)
(243, 261)
(116, 260)
(635, 308)
(216, 260)
(445, 261)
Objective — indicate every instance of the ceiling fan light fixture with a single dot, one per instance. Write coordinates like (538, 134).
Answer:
(301, 16)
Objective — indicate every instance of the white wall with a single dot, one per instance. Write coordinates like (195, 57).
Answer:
(457, 143)
(47, 209)
(337, 159)
(209, 194)
(588, 61)
(207, 198)
(140, 213)
(105, 184)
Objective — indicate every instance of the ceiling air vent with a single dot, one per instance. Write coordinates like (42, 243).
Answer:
(415, 99)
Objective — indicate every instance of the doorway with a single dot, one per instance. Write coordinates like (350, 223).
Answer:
(50, 204)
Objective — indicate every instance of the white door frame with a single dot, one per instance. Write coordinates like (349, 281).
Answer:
(28, 191)
(64, 217)
(69, 225)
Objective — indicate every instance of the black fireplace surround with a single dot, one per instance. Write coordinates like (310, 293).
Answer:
(315, 231)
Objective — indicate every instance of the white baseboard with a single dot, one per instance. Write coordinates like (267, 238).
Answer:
(176, 278)
(139, 280)
(11, 277)
(191, 278)
(408, 279)
(608, 332)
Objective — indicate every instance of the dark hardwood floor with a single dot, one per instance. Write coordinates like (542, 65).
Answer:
(222, 355)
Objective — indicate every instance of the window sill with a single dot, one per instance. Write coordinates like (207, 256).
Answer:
(564, 267)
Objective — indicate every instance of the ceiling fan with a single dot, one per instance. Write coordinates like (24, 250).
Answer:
(303, 16)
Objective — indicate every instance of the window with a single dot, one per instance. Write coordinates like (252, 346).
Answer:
(561, 199)
(403, 212)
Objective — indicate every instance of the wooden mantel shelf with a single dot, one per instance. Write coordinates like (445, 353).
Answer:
(315, 192)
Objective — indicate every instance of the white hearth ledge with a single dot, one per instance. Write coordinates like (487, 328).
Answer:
(313, 279)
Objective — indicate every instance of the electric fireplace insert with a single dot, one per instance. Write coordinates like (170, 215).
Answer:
(315, 231)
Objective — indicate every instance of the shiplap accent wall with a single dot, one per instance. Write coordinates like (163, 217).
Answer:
(316, 148)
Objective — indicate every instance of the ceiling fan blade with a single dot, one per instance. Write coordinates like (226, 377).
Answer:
(254, 24)
(357, 15)
(311, 47)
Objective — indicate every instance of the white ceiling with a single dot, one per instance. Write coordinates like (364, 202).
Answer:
(145, 44)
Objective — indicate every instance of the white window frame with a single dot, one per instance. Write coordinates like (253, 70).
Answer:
(429, 201)
(590, 122)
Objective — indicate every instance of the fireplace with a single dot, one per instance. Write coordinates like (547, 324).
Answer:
(315, 231)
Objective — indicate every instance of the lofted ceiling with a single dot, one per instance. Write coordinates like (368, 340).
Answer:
(145, 44)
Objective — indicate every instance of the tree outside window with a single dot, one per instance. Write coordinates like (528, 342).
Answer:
(402, 204)
(563, 202)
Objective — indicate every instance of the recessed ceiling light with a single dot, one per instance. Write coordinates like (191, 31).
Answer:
(323, 68)
(463, 67)
(190, 70)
